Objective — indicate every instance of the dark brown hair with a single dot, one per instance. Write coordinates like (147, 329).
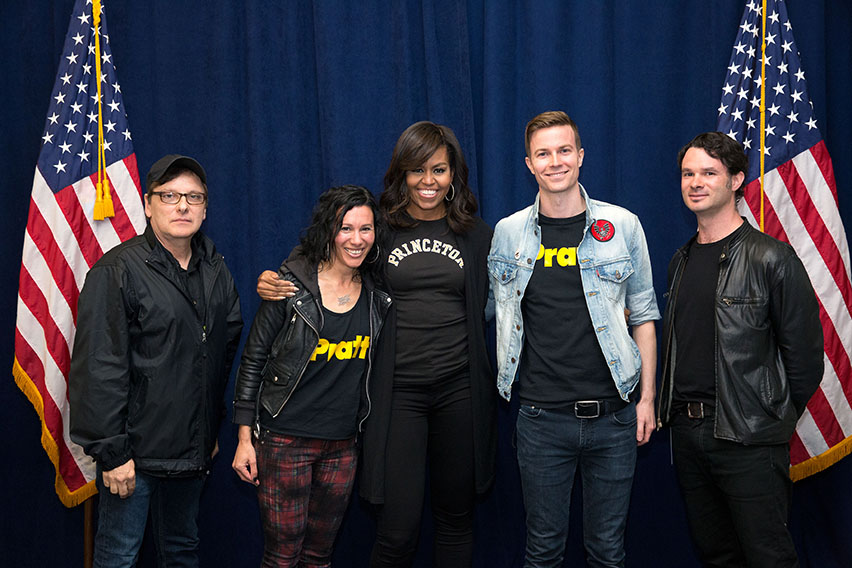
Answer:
(723, 148)
(546, 120)
(415, 146)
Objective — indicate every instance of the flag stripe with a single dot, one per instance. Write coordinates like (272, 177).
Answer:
(100, 234)
(77, 221)
(72, 468)
(815, 166)
(839, 400)
(38, 270)
(46, 246)
(814, 225)
(125, 184)
(823, 162)
(129, 184)
(36, 287)
(810, 437)
(57, 227)
(824, 419)
(798, 453)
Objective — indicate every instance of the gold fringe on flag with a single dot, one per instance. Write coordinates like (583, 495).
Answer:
(69, 498)
(821, 462)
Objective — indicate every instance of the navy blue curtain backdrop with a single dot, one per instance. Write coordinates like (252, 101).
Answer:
(282, 99)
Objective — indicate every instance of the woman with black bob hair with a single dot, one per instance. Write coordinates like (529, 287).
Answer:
(301, 392)
(433, 391)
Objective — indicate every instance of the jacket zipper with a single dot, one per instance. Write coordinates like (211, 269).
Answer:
(369, 365)
(307, 359)
(668, 374)
(205, 360)
(208, 284)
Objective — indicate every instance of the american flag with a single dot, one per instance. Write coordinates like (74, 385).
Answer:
(800, 207)
(62, 241)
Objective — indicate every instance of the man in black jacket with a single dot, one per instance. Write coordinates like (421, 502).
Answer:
(157, 327)
(743, 353)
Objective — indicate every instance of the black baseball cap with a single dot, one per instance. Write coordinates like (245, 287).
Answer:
(161, 166)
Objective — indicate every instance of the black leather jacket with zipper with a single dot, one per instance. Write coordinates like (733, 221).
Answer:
(769, 342)
(282, 339)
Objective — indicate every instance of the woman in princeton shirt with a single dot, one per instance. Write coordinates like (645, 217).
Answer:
(432, 390)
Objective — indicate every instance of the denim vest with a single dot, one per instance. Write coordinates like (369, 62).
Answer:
(615, 270)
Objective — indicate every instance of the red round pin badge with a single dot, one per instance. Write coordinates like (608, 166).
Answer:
(603, 230)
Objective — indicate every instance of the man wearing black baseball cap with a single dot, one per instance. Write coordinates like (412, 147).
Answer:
(157, 328)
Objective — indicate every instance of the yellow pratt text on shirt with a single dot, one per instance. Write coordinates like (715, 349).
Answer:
(356, 348)
(565, 256)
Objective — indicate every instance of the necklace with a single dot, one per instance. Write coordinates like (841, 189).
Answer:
(332, 287)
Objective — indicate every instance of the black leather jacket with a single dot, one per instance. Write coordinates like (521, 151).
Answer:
(282, 339)
(148, 374)
(769, 343)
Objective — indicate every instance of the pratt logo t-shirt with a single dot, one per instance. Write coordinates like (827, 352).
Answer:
(326, 401)
(562, 361)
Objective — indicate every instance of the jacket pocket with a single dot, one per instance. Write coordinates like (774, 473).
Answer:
(275, 375)
(613, 276)
(769, 391)
(137, 399)
(275, 388)
(503, 277)
(751, 313)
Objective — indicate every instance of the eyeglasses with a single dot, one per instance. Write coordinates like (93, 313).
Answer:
(173, 197)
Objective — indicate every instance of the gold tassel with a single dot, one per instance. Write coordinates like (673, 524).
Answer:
(98, 213)
(109, 211)
(103, 202)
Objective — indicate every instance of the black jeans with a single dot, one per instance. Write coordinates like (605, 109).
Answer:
(429, 421)
(737, 497)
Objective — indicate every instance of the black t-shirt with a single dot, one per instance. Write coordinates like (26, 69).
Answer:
(326, 401)
(694, 324)
(562, 361)
(426, 274)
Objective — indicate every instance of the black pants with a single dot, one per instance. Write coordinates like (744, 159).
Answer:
(429, 421)
(737, 497)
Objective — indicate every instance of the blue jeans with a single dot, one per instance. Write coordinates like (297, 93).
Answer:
(551, 445)
(173, 502)
(737, 497)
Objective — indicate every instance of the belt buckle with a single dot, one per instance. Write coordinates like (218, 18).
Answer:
(695, 410)
(587, 408)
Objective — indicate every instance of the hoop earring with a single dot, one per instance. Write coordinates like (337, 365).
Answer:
(448, 197)
(378, 249)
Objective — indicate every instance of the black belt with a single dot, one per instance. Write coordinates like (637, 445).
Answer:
(695, 410)
(595, 408)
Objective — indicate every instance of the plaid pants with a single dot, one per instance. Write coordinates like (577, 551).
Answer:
(305, 485)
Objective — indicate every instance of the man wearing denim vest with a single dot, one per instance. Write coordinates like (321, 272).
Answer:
(570, 275)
